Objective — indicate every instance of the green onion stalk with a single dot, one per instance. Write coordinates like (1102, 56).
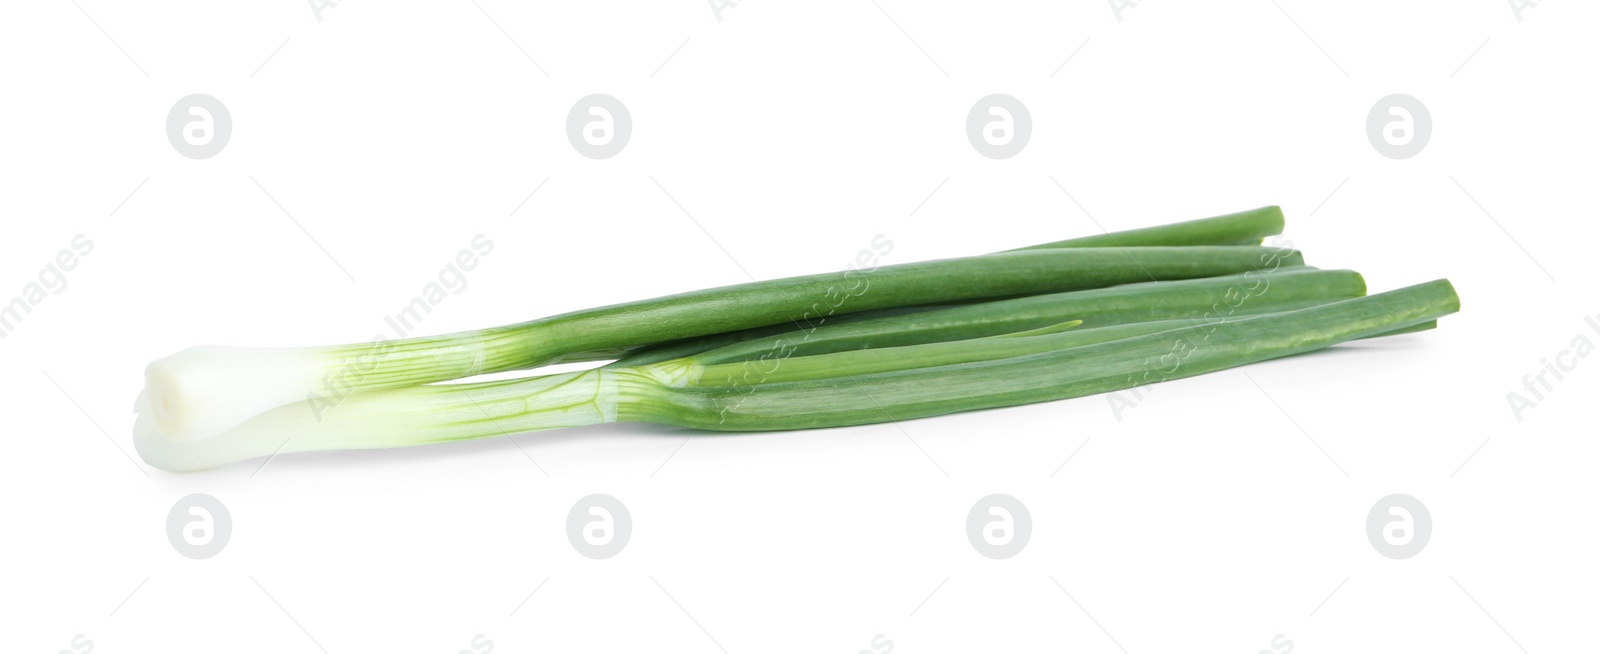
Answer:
(1241, 228)
(728, 390)
(1271, 288)
(203, 391)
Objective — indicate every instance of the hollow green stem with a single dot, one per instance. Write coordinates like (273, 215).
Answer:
(1241, 228)
(1244, 227)
(1215, 297)
(1057, 374)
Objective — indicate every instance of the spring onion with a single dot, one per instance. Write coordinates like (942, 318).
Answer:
(1050, 321)
(910, 382)
(1242, 228)
(1222, 296)
(203, 391)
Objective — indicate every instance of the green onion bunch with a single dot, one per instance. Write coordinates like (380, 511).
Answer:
(1046, 322)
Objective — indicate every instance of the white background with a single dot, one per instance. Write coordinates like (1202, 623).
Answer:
(1219, 513)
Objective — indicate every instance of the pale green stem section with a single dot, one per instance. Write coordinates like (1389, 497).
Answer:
(402, 417)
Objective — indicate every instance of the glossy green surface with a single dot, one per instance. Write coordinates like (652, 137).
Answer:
(1052, 375)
